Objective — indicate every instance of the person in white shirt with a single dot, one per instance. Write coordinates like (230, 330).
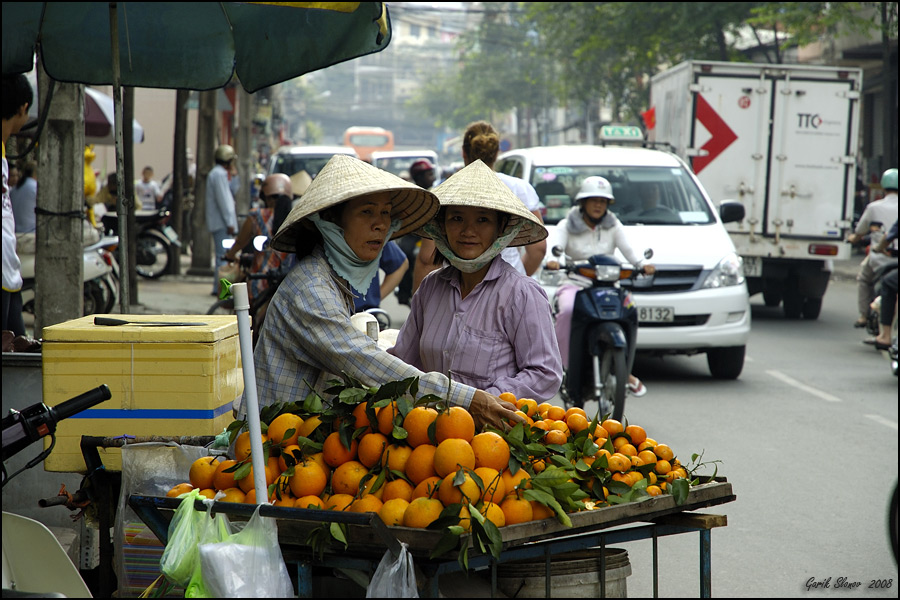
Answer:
(147, 189)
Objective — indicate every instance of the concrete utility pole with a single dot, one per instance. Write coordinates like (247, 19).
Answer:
(58, 268)
(245, 162)
(207, 140)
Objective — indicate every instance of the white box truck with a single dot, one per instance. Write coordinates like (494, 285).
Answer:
(783, 140)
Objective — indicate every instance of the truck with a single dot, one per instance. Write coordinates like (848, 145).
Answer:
(784, 141)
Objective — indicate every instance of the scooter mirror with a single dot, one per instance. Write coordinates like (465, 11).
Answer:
(648, 253)
(259, 242)
(227, 243)
(557, 251)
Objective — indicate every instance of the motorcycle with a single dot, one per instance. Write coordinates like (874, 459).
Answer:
(604, 332)
(157, 243)
(34, 563)
(100, 274)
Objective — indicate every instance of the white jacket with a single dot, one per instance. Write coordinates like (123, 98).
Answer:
(581, 241)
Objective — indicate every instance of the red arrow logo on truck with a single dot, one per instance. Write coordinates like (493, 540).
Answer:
(722, 135)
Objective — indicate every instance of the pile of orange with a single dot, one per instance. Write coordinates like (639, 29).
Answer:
(441, 461)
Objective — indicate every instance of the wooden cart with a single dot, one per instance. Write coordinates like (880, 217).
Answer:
(368, 537)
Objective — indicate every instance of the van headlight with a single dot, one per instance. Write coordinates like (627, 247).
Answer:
(727, 273)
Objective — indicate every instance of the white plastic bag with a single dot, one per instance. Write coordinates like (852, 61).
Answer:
(394, 577)
(248, 564)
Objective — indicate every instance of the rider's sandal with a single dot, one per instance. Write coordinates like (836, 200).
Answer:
(637, 389)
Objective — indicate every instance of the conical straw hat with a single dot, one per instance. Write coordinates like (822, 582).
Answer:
(478, 185)
(344, 178)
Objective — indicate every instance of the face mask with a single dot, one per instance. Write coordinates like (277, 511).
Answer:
(359, 274)
(436, 231)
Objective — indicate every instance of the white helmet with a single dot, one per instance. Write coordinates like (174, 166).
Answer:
(225, 153)
(595, 187)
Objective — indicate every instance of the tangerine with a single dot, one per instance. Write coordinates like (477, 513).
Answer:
(612, 426)
(508, 397)
(335, 452)
(280, 427)
(223, 480)
(289, 451)
(494, 488)
(420, 464)
(637, 434)
(309, 426)
(339, 502)
(346, 478)
(452, 454)
(202, 472)
(664, 452)
(555, 436)
(371, 448)
(310, 501)
(392, 510)
(516, 510)
(491, 450)
(422, 512)
(427, 487)
(309, 479)
(493, 513)
(577, 422)
(457, 423)
(367, 503)
(386, 417)
(233, 494)
(515, 483)
(396, 456)
(467, 491)
(362, 417)
(181, 488)
(242, 445)
(416, 424)
(398, 488)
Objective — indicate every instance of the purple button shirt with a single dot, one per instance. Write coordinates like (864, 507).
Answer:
(500, 338)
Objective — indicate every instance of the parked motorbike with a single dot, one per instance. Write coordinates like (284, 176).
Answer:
(157, 243)
(34, 563)
(100, 274)
(604, 333)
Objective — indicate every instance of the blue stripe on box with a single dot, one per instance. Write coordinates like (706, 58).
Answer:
(150, 413)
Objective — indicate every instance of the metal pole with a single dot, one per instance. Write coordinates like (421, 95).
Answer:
(122, 203)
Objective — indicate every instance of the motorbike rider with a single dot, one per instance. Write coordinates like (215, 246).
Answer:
(888, 293)
(883, 211)
(479, 319)
(588, 229)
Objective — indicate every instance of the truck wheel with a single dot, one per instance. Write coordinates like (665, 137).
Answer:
(811, 308)
(726, 363)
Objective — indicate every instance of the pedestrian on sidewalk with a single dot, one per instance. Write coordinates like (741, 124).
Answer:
(221, 214)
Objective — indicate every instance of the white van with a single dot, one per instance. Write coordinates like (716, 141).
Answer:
(698, 301)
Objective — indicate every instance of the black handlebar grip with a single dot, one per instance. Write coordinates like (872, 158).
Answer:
(82, 402)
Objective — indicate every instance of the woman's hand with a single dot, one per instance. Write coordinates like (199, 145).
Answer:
(552, 265)
(490, 410)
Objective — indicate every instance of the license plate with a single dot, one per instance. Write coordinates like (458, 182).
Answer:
(170, 233)
(752, 266)
(656, 314)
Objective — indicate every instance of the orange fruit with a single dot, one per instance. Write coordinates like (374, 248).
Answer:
(362, 418)
(465, 518)
(637, 434)
(508, 397)
(309, 479)
(612, 426)
(556, 413)
(385, 418)
(427, 487)
(202, 471)
(491, 450)
(455, 423)
(208, 493)
(233, 494)
(541, 511)
(309, 426)
(279, 427)
(628, 450)
(392, 510)
(309, 502)
(575, 410)
(494, 488)
(367, 503)
(493, 513)
(647, 456)
(663, 467)
(545, 424)
(420, 464)
(371, 448)
(577, 422)
(465, 492)
(619, 462)
(396, 456)
(515, 483)
(527, 406)
(398, 488)
(223, 480)
(319, 459)
(554, 436)
(543, 407)
(288, 452)
(647, 444)
(416, 424)
(242, 445)
(335, 452)
(181, 488)
(246, 483)
(286, 500)
(346, 478)
(250, 497)
(339, 502)
(664, 452)
(451, 454)
(516, 510)
(422, 512)
(654, 490)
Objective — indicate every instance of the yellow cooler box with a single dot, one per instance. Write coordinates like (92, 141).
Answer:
(174, 380)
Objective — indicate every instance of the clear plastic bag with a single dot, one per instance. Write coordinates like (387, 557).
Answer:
(180, 556)
(394, 577)
(248, 564)
(215, 529)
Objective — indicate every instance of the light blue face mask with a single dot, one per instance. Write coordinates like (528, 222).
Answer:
(437, 233)
(359, 274)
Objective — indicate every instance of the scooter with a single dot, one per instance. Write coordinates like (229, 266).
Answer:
(100, 278)
(604, 333)
(34, 563)
(157, 243)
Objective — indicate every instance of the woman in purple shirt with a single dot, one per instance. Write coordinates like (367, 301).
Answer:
(478, 320)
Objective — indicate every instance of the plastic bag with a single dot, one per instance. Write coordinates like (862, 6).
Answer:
(394, 577)
(215, 529)
(180, 556)
(248, 564)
